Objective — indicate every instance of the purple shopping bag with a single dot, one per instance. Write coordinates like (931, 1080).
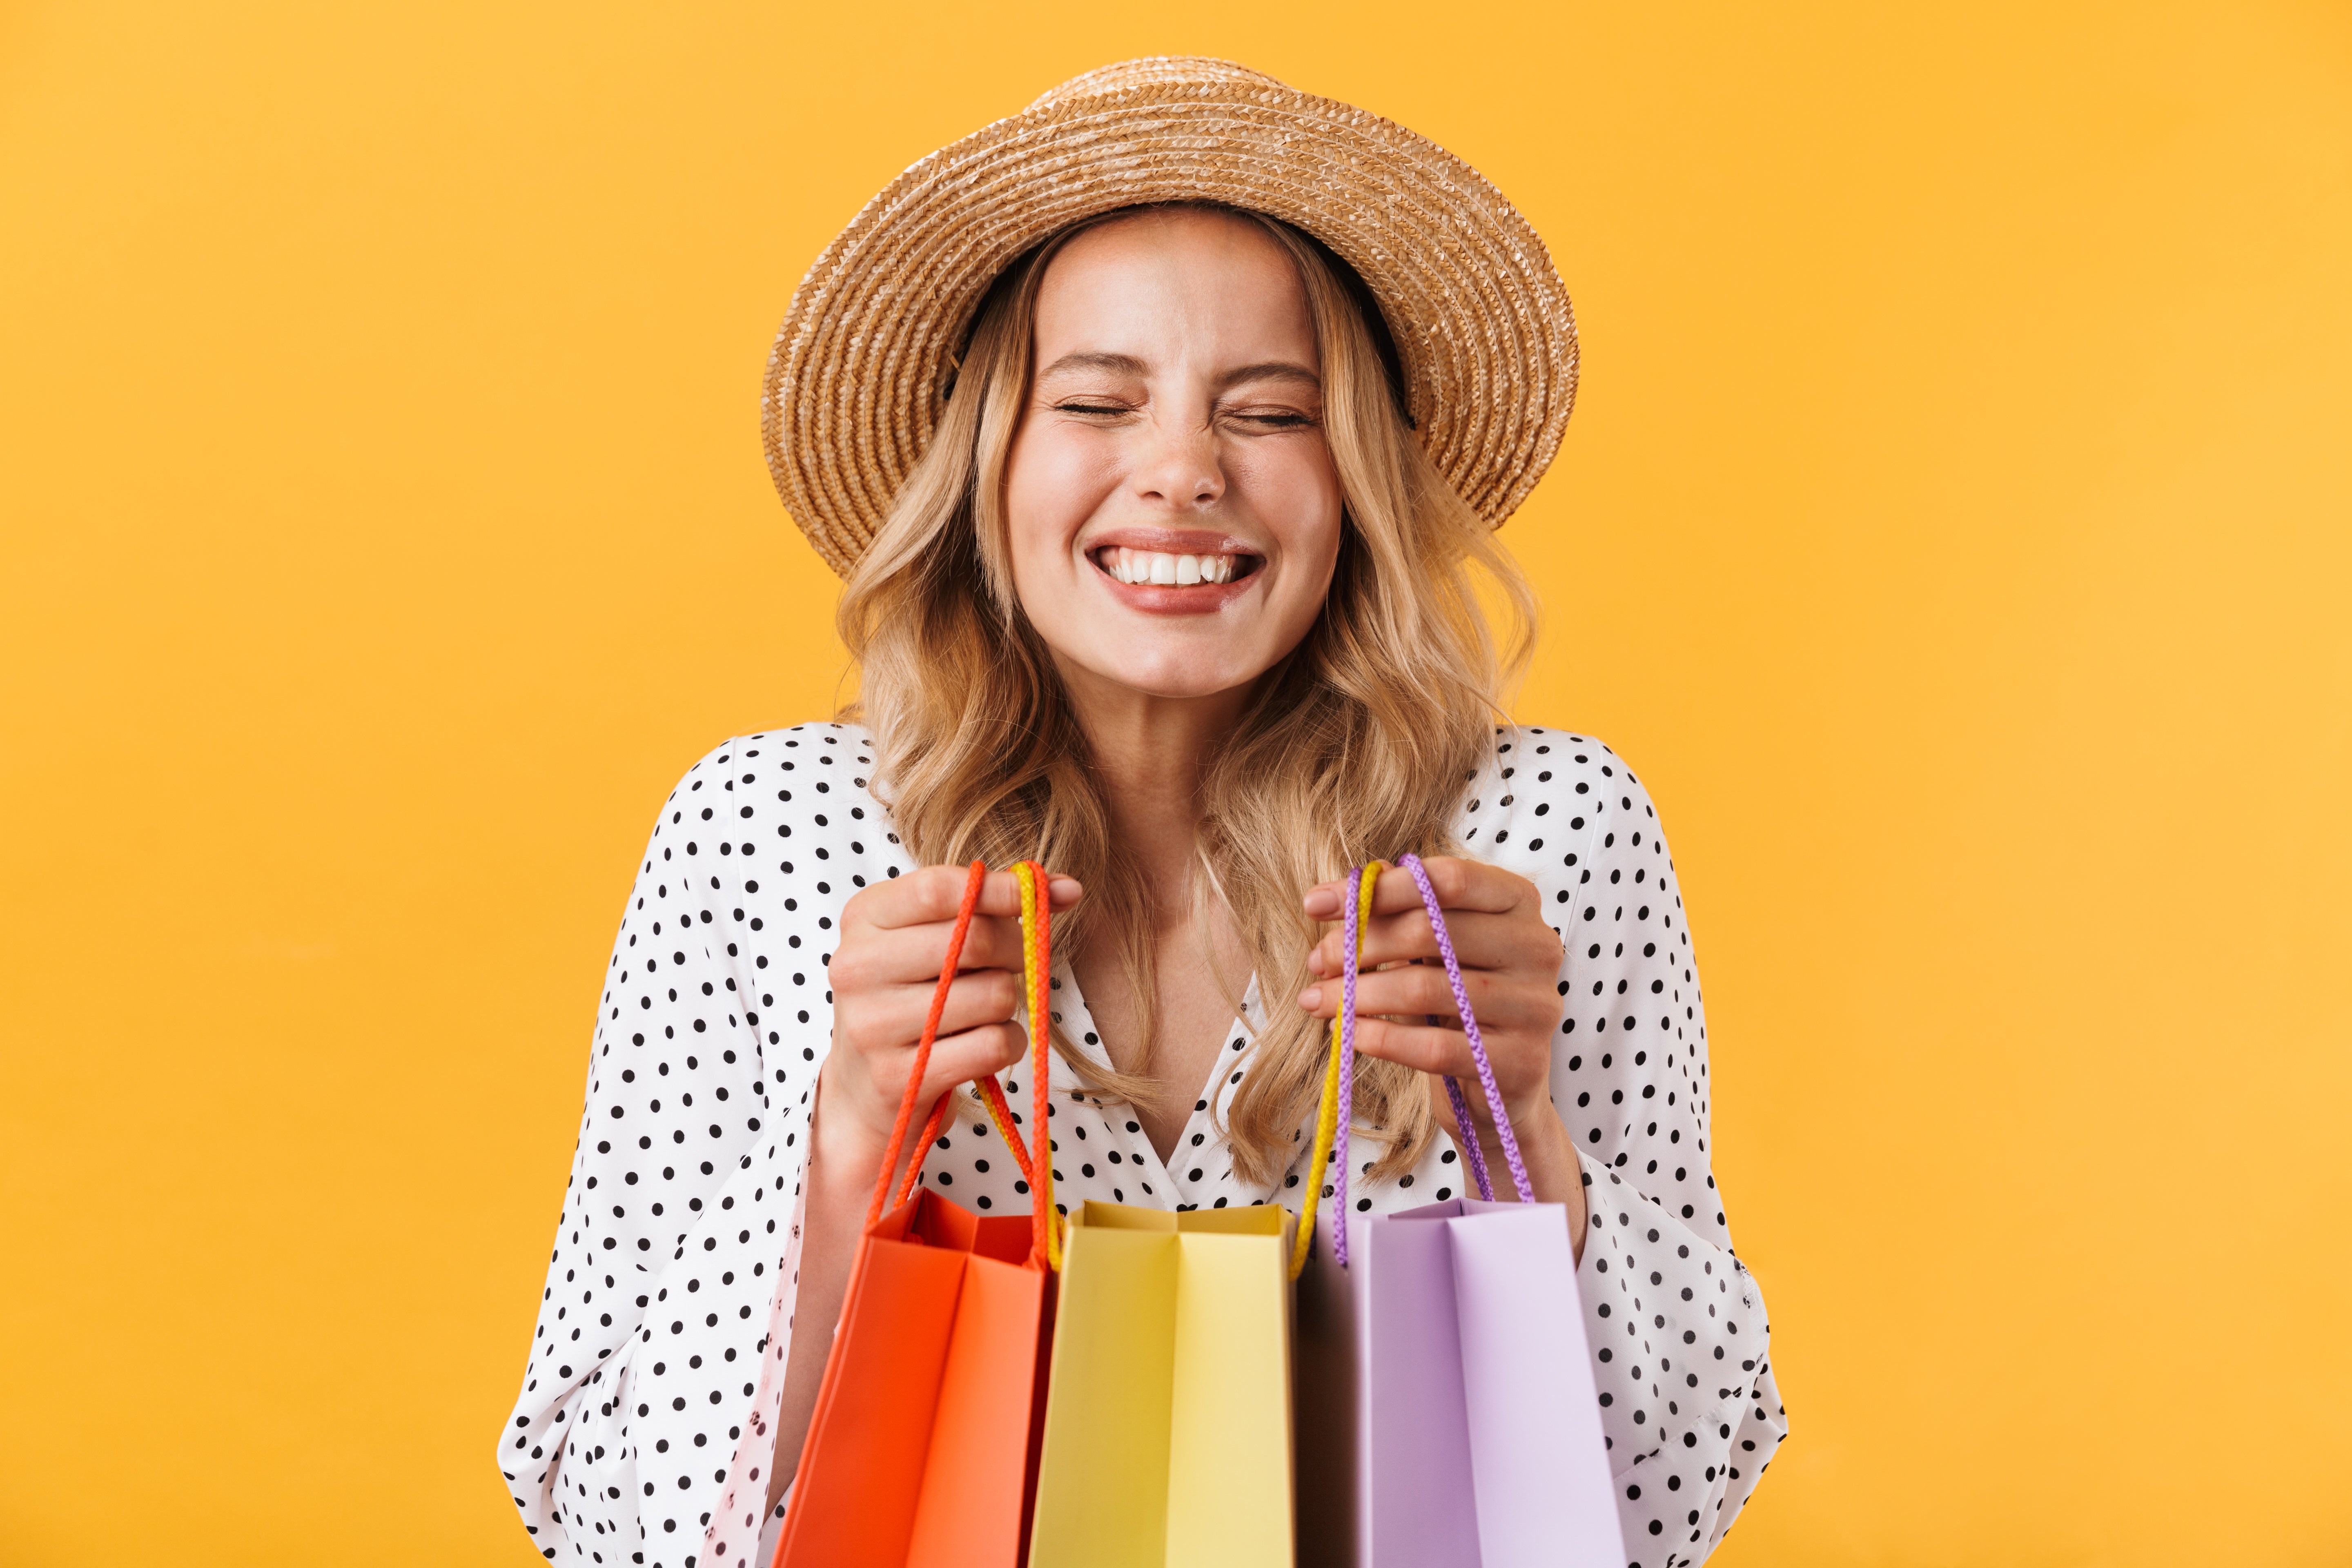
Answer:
(1446, 1405)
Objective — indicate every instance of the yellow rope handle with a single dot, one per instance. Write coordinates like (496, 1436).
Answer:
(1037, 914)
(1327, 1117)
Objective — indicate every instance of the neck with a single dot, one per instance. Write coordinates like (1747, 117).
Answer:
(1148, 753)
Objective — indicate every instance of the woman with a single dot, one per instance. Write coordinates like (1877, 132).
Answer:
(1160, 521)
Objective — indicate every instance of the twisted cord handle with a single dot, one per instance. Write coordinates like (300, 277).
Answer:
(978, 875)
(1526, 1189)
(1035, 1165)
(1470, 1150)
(1339, 1076)
(1000, 1113)
(1036, 975)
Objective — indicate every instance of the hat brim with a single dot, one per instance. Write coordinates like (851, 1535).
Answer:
(1484, 332)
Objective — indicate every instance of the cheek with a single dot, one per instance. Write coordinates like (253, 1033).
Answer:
(1052, 486)
(1298, 490)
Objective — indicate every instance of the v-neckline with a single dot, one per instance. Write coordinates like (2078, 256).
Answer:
(1077, 1027)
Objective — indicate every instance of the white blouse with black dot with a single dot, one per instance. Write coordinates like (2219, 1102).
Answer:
(645, 1424)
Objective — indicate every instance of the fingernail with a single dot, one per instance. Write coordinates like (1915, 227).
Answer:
(1311, 998)
(1322, 903)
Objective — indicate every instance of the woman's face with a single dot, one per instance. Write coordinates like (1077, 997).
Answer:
(1174, 511)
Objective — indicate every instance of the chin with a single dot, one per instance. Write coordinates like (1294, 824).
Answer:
(1174, 687)
(1178, 675)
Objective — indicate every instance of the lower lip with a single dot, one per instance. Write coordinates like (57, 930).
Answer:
(1166, 599)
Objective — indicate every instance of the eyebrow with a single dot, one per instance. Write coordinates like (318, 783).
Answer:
(1117, 364)
(1272, 370)
(1128, 365)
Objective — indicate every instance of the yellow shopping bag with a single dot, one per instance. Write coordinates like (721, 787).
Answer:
(1168, 1436)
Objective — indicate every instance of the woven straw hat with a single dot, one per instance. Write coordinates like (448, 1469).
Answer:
(1481, 321)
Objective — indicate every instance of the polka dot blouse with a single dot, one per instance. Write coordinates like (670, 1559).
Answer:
(646, 1421)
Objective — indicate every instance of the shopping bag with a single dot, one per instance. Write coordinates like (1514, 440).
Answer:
(922, 1447)
(1447, 1413)
(1167, 1440)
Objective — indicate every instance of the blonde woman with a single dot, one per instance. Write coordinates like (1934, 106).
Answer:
(1159, 432)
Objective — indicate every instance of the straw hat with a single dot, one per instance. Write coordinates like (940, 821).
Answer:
(1481, 320)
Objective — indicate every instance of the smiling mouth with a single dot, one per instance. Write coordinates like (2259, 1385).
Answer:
(1154, 568)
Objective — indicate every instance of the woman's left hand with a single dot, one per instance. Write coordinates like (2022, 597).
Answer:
(1511, 970)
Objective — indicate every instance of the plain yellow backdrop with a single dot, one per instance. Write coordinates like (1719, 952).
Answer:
(1953, 531)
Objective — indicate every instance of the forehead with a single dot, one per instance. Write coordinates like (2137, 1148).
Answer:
(1196, 275)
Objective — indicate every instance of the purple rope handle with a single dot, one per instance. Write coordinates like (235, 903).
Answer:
(1470, 1146)
(1347, 1097)
(1412, 862)
(1347, 967)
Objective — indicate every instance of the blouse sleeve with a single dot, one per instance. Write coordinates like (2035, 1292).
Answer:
(1676, 1323)
(658, 1357)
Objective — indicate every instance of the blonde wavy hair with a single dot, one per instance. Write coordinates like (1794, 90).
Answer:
(1355, 746)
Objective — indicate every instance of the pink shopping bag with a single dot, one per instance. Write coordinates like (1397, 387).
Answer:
(1447, 1415)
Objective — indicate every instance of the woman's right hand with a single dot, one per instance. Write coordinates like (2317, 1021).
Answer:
(894, 941)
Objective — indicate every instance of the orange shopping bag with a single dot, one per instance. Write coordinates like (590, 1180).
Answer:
(922, 1451)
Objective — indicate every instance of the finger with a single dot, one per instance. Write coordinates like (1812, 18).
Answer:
(1421, 991)
(958, 1059)
(893, 1017)
(935, 893)
(909, 955)
(1416, 1045)
(1480, 941)
(1459, 884)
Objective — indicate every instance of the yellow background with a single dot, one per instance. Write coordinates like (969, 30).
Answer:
(1953, 533)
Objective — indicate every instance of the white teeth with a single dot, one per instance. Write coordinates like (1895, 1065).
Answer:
(1151, 566)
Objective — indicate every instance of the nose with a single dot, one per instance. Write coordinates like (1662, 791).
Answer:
(1180, 468)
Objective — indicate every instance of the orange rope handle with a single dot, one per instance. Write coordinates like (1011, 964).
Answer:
(1035, 1164)
(992, 1098)
(978, 875)
(914, 1171)
(992, 1095)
